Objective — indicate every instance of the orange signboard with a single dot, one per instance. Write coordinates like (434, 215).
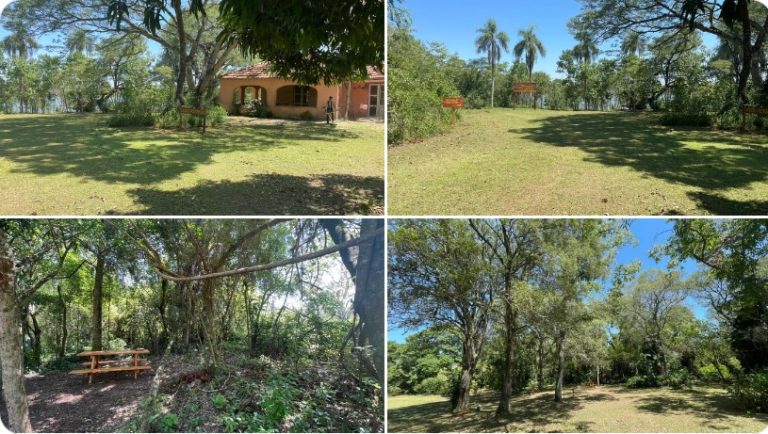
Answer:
(453, 102)
(524, 88)
(193, 111)
(755, 110)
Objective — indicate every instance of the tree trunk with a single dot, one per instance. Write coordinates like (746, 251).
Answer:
(540, 376)
(493, 81)
(98, 285)
(182, 49)
(37, 346)
(598, 375)
(461, 401)
(510, 324)
(369, 293)
(746, 61)
(11, 356)
(209, 325)
(349, 100)
(560, 366)
(63, 324)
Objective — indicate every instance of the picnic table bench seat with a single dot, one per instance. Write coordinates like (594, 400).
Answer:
(111, 369)
(97, 366)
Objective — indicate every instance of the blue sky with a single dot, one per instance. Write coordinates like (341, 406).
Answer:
(648, 233)
(455, 23)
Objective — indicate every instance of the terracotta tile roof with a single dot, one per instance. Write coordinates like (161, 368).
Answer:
(374, 73)
(262, 70)
(258, 70)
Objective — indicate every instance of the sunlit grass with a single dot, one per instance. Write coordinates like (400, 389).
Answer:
(603, 409)
(539, 162)
(76, 165)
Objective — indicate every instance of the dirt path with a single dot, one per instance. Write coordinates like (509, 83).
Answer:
(60, 402)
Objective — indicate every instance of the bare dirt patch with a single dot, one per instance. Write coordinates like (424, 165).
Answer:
(61, 402)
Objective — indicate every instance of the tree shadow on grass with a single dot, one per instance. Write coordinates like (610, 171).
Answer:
(269, 194)
(714, 409)
(717, 204)
(82, 146)
(718, 161)
(527, 413)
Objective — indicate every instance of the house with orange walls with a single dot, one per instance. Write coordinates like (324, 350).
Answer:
(287, 99)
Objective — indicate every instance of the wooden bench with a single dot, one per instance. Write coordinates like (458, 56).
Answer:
(97, 366)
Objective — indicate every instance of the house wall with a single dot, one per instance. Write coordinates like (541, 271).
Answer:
(271, 85)
(358, 107)
(358, 103)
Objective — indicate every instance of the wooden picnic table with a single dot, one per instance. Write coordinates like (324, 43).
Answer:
(112, 365)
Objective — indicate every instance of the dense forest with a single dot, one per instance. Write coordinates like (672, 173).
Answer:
(138, 59)
(644, 55)
(251, 325)
(517, 306)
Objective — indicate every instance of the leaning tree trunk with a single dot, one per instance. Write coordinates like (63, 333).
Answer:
(11, 356)
(560, 366)
(98, 285)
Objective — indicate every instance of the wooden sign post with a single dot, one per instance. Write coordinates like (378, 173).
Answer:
(194, 112)
(453, 104)
(751, 111)
(519, 88)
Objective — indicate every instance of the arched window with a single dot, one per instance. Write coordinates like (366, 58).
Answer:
(298, 96)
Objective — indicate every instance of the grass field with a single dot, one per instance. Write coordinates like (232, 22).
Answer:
(76, 165)
(603, 409)
(527, 162)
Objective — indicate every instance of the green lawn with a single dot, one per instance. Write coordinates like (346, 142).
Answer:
(603, 409)
(539, 162)
(76, 165)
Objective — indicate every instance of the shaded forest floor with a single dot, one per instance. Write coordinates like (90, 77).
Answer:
(543, 162)
(76, 165)
(248, 394)
(603, 409)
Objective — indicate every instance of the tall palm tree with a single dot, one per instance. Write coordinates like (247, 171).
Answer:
(492, 41)
(633, 43)
(586, 49)
(20, 43)
(530, 45)
(80, 42)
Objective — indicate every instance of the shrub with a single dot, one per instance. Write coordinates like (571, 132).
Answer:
(418, 83)
(256, 109)
(168, 119)
(219, 401)
(438, 385)
(216, 115)
(678, 379)
(676, 119)
(117, 344)
(752, 390)
(133, 119)
(641, 381)
(709, 374)
(307, 116)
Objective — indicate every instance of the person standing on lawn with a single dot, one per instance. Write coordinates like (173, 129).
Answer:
(330, 110)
